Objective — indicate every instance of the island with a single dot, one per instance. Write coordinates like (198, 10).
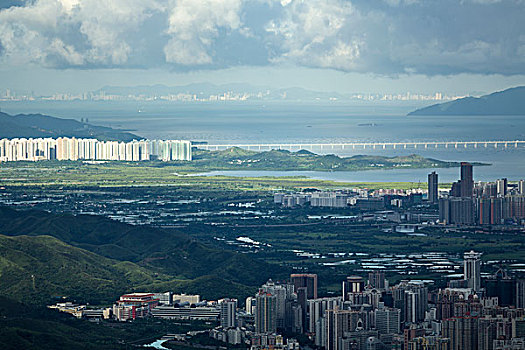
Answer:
(236, 158)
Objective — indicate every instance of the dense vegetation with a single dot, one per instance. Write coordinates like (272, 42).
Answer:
(95, 259)
(237, 158)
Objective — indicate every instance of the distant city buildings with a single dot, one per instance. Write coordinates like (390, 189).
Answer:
(64, 148)
(491, 203)
(226, 95)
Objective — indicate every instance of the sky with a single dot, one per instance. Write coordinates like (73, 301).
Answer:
(453, 46)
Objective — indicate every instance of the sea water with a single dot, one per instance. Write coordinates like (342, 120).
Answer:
(271, 122)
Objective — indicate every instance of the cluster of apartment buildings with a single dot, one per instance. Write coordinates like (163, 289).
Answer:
(357, 198)
(482, 203)
(466, 203)
(65, 148)
(469, 314)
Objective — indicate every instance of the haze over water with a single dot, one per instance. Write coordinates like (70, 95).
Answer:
(236, 123)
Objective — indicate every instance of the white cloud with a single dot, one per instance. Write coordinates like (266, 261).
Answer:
(384, 37)
(193, 26)
(313, 33)
(72, 32)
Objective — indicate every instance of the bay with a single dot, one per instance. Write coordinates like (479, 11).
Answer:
(273, 122)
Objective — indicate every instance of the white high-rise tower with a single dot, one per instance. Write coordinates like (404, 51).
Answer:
(472, 270)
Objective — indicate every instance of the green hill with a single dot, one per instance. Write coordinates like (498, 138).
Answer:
(38, 125)
(78, 255)
(39, 268)
(507, 102)
(236, 158)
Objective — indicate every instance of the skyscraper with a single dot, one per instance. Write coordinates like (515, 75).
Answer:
(467, 180)
(228, 313)
(501, 185)
(250, 305)
(338, 322)
(433, 187)
(377, 279)
(388, 320)
(472, 270)
(353, 284)
(266, 313)
(307, 280)
(281, 292)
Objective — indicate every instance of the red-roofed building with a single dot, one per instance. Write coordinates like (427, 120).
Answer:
(131, 306)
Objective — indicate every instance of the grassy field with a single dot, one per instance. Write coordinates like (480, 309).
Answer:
(149, 174)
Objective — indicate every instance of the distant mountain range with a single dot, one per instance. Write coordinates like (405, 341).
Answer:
(38, 125)
(507, 102)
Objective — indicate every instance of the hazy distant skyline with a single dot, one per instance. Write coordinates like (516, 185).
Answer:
(333, 45)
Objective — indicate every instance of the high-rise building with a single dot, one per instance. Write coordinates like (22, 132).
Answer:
(353, 284)
(250, 305)
(462, 332)
(64, 148)
(306, 280)
(377, 279)
(387, 320)
(228, 313)
(501, 187)
(266, 313)
(281, 292)
(317, 309)
(467, 180)
(521, 187)
(338, 322)
(472, 270)
(433, 194)
(456, 210)
(520, 294)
